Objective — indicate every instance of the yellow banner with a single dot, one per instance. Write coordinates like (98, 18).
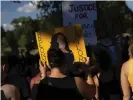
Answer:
(75, 39)
(43, 42)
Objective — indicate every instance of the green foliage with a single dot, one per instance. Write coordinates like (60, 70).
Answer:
(112, 18)
(22, 40)
(3, 33)
(50, 14)
(22, 35)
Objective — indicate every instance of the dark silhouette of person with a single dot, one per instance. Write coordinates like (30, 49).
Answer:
(17, 79)
(59, 41)
(8, 91)
(60, 86)
(107, 83)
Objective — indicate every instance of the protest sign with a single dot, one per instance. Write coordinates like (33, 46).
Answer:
(76, 41)
(78, 12)
(43, 42)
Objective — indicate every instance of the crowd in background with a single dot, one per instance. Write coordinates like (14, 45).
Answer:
(63, 79)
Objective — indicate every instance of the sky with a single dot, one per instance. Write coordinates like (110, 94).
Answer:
(10, 11)
(129, 4)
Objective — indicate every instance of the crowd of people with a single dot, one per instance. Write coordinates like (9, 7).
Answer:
(98, 78)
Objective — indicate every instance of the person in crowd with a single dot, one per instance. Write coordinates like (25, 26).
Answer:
(33, 69)
(125, 44)
(58, 85)
(90, 50)
(8, 91)
(107, 85)
(127, 76)
(35, 77)
(36, 80)
(59, 41)
(80, 69)
(86, 72)
(15, 77)
(32, 65)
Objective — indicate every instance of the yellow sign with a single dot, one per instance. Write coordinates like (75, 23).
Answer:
(43, 42)
(75, 41)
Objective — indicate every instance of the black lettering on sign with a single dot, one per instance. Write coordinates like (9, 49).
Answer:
(87, 34)
(81, 16)
(86, 26)
(42, 53)
(80, 52)
(83, 7)
(71, 8)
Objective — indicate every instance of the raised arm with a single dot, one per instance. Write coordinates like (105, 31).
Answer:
(86, 90)
(97, 86)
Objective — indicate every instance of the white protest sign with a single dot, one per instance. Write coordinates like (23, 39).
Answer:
(81, 12)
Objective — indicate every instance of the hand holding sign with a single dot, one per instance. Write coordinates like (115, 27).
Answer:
(42, 68)
(87, 60)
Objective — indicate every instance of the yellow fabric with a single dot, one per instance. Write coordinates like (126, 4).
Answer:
(130, 75)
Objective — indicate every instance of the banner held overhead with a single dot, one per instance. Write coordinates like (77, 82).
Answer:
(84, 13)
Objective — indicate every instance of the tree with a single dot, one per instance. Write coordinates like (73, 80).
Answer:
(25, 29)
(12, 41)
(114, 17)
(50, 14)
(3, 33)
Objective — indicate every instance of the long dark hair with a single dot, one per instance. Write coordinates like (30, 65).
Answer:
(56, 59)
(54, 43)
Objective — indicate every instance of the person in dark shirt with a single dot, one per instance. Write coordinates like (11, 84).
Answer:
(58, 85)
(8, 91)
(15, 78)
(36, 79)
(59, 41)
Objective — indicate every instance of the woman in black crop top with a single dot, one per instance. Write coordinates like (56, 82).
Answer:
(59, 86)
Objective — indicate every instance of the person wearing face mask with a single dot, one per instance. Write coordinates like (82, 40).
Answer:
(59, 41)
